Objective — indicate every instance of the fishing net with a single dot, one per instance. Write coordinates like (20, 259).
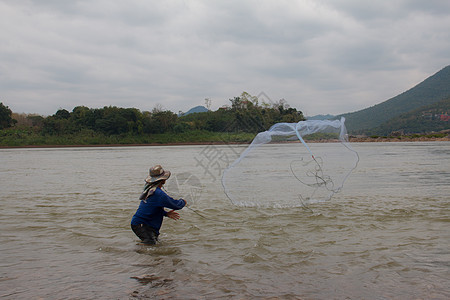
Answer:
(280, 169)
(185, 186)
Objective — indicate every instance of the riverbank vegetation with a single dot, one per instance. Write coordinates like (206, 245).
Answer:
(238, 122)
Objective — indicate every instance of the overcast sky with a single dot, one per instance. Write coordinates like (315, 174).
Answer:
(321, 56)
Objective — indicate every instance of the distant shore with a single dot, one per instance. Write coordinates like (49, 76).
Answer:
(351, 140)
(398, 139)
(127, 145)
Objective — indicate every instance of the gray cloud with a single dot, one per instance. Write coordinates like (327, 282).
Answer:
(321, 56)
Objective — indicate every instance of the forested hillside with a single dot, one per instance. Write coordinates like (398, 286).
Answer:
(431, 90)
(429, 118)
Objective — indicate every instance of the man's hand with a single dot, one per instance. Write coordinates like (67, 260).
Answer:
(173, 215)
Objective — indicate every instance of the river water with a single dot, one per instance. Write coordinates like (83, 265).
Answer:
(65, 230)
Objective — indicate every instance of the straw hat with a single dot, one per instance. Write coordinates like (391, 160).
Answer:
(157, 173)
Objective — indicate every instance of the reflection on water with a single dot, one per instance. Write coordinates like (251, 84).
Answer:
(66, 212)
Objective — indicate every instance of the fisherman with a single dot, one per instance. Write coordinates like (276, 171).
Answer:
(148, 218)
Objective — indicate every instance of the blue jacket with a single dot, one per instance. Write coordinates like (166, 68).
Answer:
(151, 211)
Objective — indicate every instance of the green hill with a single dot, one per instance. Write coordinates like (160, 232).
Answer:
(431, 90)
(197, 109)
(429, 118)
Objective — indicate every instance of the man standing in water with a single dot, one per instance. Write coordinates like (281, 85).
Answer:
(148, 218)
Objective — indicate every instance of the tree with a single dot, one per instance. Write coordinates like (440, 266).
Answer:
(5, 117)
(163, 121)
(36, 120)
(84, 117)
(115, 120)
(62, 114)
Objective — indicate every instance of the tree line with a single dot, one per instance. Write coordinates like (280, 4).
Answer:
(244, 114)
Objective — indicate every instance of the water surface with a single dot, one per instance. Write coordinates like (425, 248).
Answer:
(65, 228)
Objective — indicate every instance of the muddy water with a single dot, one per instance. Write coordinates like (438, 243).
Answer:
(65, 229)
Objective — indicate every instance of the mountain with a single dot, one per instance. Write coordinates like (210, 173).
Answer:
(197, 109)
(429, 91)
(429, 118)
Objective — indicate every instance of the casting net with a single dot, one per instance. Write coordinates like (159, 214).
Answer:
(292, 164)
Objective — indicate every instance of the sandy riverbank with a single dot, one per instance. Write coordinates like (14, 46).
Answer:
(398, 139)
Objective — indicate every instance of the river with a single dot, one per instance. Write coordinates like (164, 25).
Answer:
(65, 230)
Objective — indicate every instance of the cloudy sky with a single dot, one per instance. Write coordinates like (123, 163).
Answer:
(321, 56)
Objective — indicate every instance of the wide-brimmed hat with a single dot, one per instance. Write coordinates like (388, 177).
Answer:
(157, 173)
